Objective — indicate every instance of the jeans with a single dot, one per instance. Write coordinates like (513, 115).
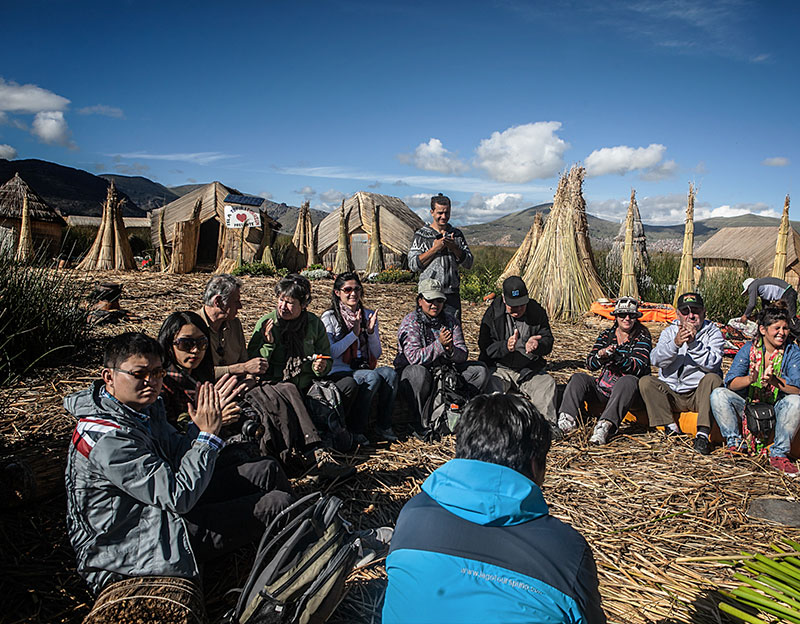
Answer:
(728, 408)
(381, 381)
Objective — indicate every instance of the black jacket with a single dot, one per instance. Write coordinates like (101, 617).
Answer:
(493, 342)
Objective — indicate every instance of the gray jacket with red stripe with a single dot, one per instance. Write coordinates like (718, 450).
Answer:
(129, 478)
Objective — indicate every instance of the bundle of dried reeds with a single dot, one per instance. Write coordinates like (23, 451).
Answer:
(779, 265)
(303, 239)
(578, 206)
(375, 259)
(185, 239)
(686, 273)
(163, 257)
(556, 277)
(519, 261)
(25, 244)
(640, 257)
(111, 249)
(342, 264)
(266, 242)
(627, 285)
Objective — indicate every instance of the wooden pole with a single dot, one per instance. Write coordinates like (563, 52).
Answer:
(779, 264)
(686, 274)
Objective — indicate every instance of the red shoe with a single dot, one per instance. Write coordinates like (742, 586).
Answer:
(785, 465)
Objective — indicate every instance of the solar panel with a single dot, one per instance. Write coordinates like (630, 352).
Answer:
(244, 200)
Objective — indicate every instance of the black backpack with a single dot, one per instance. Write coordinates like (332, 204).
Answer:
(449, 395)
(304, 558)
(324, 403)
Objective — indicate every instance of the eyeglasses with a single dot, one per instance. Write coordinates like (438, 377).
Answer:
(157, 374)
(686, 310)
(349, 289)
(630, 315)
(439, 301)
(186, 343)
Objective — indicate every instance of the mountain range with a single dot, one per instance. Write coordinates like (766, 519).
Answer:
(78, 192)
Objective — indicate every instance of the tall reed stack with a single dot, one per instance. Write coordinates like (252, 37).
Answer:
(519, 261)
(578, 206)
(375, 258)
(25, 244)
(111, 249)
(779, 265)
(686, 272)
(627, 285)
(342, 264)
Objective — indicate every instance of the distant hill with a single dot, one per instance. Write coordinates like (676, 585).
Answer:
(287, 215)
(184, 189)
(509, 230)
(70, 191)
(146, 193)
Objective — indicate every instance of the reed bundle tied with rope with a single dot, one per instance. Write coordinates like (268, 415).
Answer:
(519, 261)
(627, 285)
(343, 264)
(779, 265)
(375, 257)
(686, 272)
(111, 249)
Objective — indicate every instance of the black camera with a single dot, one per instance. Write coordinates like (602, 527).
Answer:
(251, 429)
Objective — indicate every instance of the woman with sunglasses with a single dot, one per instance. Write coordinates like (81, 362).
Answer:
(355, 348)
(765, 370)
(184, 336)
(622, 355)
(429, 337)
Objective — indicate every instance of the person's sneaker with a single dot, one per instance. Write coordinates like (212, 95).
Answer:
(702, 445)
(567, 423)
(376, 539)
(387, 434)
(672, 431)
(602, 430)
(555, 433)
(785, 465)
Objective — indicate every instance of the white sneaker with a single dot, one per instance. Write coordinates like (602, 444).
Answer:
(567, 423)
(602, 430)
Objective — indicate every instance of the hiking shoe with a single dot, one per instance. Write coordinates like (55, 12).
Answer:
(376, 539)
(567, 423)
(387, 434)
(702, 445)
(555, 433)
(785, 465)
(602, 430)
(669, 432)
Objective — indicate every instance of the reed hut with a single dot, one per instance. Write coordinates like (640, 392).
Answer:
(217, 247)
(686, 271)
(640, 258)
(577, 206)
(396, 226)
(111, 250)
(519, 261)
(779, 264)
(627, 285)
(556, 275)
(46, 225)
(751, 250)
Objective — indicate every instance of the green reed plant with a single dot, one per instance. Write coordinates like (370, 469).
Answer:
(720, 289)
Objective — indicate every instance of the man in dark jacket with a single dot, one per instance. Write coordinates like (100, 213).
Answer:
(478, 545)
(514, 339)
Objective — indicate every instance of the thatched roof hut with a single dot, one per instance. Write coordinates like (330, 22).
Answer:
(397, 224)
(216, 242)
(751, 249)
(46, 222)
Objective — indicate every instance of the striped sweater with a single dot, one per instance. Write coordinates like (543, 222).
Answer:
(631, 357)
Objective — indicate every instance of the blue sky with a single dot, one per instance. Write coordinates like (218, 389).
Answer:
(485, 101)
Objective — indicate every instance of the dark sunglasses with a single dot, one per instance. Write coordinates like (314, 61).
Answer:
(186, 344)
(349, 289)
(439, 301)
(630, 315)
(686, 310)
(157, 374)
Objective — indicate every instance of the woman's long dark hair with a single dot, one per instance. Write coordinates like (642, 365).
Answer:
(340, 281)
(293, 332)
(166, 336)
(774, 313)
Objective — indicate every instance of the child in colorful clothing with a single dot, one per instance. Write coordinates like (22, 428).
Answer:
(766, 370)
(622, 354)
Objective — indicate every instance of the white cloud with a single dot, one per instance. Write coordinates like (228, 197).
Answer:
(432, 156)
(522, 153)
(671, 209)
(102, 109)
(7, 152)
(265, 194)
(199, 158)
(17, 98)
(418, 200)
(622, 159)
(307, 192)
(777, 161)
(332, 196)
(480, 208)
(662, 171)
(51, 127)
(759, 209)
(760, 58)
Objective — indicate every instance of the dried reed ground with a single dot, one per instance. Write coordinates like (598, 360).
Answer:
(651, 509)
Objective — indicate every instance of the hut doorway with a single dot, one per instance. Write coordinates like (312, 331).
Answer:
(359, 250)
(207, 245)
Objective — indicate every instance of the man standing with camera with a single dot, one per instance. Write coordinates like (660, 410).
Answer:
(437, 251)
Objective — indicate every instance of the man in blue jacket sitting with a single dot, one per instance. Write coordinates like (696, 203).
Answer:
(478, 545)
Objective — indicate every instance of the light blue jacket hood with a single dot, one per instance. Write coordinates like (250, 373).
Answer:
(485, 493)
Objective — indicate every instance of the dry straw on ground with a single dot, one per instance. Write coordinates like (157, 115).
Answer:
(655, 513)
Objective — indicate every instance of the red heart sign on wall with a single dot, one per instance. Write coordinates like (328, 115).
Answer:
(241, 217)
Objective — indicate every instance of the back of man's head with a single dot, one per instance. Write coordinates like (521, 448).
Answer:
(129, 344)
(503, 429)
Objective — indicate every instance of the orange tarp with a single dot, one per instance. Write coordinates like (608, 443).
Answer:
(650, 313)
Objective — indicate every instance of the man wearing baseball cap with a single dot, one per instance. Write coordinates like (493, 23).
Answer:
(769, 289)
(689, 360)
(514, 339)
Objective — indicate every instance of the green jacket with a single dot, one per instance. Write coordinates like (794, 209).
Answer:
(315, 341)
